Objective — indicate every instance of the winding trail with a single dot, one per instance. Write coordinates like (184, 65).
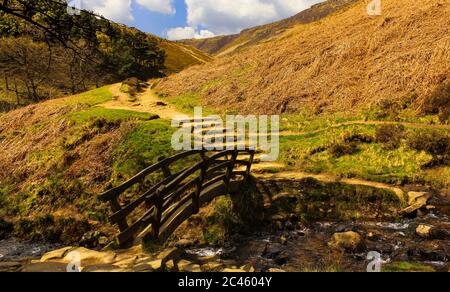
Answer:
(330, 178)
(362, 122)
(148, 101)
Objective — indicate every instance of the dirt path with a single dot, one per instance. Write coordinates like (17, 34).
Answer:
(361, 122)
(146, 101)
(324, 177)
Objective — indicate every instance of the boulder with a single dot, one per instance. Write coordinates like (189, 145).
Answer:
(126, 262)
(142, 268)
(213, 266)
(418, 197)
(89, 257)
(55, 255)
(170, 254)
(416, 201)
(347, 240)
(187, 266)
(431, 232)
(423, 231)
(156, 265)
(171, 266)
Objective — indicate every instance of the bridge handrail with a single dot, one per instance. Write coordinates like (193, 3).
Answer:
(163, 199)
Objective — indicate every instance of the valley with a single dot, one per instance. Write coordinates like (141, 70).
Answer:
(362, 181)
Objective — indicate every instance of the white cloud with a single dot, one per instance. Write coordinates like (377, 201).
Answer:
(181, 33)
(117, 10)
(121, 11)
(225, 16)
(162, 6)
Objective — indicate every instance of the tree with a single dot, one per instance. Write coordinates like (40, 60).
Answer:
(27, 61)
(46, 49)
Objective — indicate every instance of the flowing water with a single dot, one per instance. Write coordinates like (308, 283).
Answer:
(13, 249)
(306, 248)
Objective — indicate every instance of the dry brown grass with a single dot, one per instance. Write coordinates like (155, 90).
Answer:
(344, 62)
(32, 152)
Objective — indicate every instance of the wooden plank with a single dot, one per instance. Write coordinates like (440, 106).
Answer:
(184, 212)
(169, 207)
(116, 192)
(165, 168)
(249, 166)
(147, 196)
(215, 180)
(176, 182)
(123, 225)
(174, 208)
(220, 166)
(156, 223)
(128, 235)
(176, 195)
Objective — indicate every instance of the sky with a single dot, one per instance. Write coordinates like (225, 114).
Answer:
(185, 19)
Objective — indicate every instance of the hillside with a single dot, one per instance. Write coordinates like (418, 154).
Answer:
(56, 156)
(348, 61)
(180, 56)
(42, 58)
(222, 45)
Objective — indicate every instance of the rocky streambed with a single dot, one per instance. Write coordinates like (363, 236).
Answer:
(417, 238)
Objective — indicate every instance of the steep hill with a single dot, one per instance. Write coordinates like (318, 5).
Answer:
(57, 155)
(180, 56)
(222, 45)
(349, 60)
(52, 54)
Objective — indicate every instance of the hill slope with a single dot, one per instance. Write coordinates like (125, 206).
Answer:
(223, 45)
(348, 60)
(180, 56)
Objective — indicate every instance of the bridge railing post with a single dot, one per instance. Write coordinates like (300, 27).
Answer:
(115, 207)
(157, 215)
(230, 169)
(165, 168)
(250, 163)
(201, 180)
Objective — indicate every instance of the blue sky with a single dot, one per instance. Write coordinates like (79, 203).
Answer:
(179, 19)
(159, 23)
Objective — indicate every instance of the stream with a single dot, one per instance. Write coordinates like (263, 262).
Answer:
(13, 249)
(306, 248)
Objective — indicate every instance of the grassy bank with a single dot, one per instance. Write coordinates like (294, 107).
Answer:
(58, 155)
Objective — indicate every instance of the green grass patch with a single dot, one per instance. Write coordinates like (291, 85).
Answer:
(304, 122)
(110, 115)
(313, 200)
(93, 97)
(143, 146)
(187, 102)
(222, 223)
(372, 161)
(210, 84)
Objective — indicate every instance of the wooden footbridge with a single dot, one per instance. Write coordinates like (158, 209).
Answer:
(177, 195)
